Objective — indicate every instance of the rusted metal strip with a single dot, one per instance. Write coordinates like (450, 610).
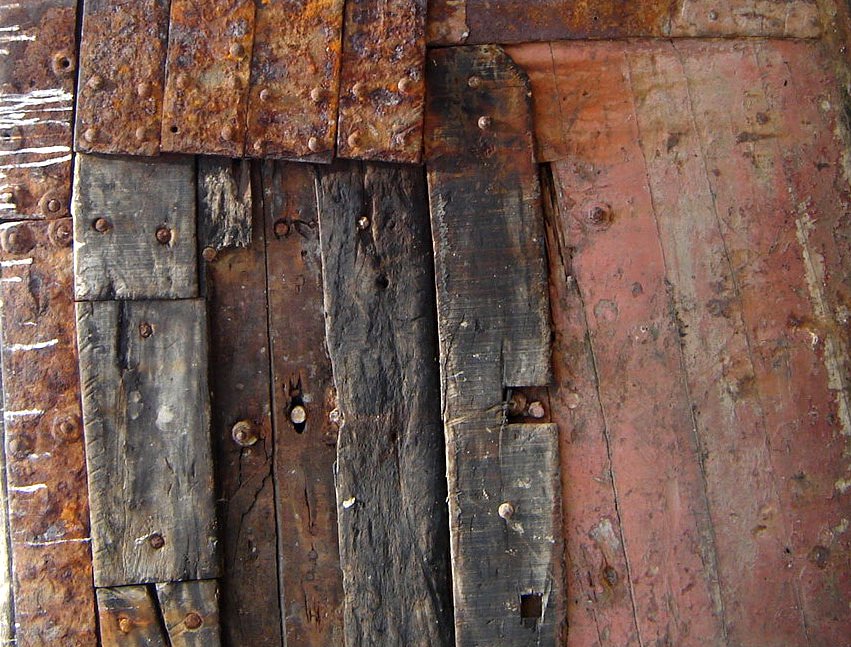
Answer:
(295, 75)
(383, 86)
(207, 73)
(36, 99)
(122, 60)
(45, 464)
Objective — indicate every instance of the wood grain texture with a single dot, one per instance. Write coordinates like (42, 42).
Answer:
(379, 295)
(240, 385)
(132, 242)
(190, 611)
(493, 317)
(129, 617)
(147, 422)
(7, 614)
(311, 579)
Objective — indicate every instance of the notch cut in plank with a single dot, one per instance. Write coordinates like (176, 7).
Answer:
(132, 243)
(207, 73)
(191, 612)
(382, 84)
(295, 78)
(37, 88)
(45, 469)
(129, 618)
(305, 450)
(122, 76)
(235, 281)
(147, 421)
(379, 294)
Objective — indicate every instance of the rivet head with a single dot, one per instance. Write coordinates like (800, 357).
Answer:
(237, 50)
(125, 625)
(63, 64)
(91, 135)
(600, 216)
(17, 239)
(50, 204)
(474, 82)
(713, 15)
(282, 228)
(102, 225)
(141, 134)
(573, 400)
(363, 223)
(244, 433)
(163, 235)
(95, 82)
(144, 90)
(316, 95)
(65, 428)
(405, 84)
(506, 510)
(265, 94)
(359, 90)
(209, 254)
(156, 541)
(517, 403)
(61, 233)
(228, 133)
(298, 414)
(145, 330)
(485, 122)
(536, 409)
(313, 145)
(354, 140)
(21, 446)
(193, 621)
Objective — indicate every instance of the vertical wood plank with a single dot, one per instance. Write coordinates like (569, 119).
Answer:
(146, 413)
(45, 463)
(7, 616)
(379, 295)
(128, 617)
(191, 613)
(382, 86)
(241, 415)
(303, 406)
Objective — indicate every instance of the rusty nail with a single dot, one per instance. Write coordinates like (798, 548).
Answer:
(314, 145)
(474, 82)
(610, 575)
(145, 329)
(243, 433)
(141, 134)
(50, 204)
(405, 85)
(282, 228)
(354, 140)
(600, 215)
(506, 510)
(713, 15)
(163, 235)
(17, 239)
(193, 621)
(363, 223)
(209, 254)
(265, 94)
(572, 400)
(143, 90)
(237, 50)
(53, 205)
(485, 122)
(517, 403)
(316, 95)
(61, 233)
(102, 225)
(95, 82)
(156, 541)
(91, 135)
(125, 625)
(227, 133)
(359, 90)
(298, 414)
(63, 64)
(536, 409)
(820, 556)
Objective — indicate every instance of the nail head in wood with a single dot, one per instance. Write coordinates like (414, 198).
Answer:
(506, 510)
(193, 621)
(536, 409)
(163, 235)
(244, 433)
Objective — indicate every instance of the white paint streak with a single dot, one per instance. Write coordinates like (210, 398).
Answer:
(54, 542)
(36, 346)
(29, 489)
(24, 413)
(15, 263)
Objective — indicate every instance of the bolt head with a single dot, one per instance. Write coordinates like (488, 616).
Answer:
(265, 94)
(61, 233)
(506, 510)
(91, 135)
(102, 225)
(156, 541)
(485, 122)
(141, 134)
(50, 204)
(145, 330)
(316, 95)
(237, 50)
(244, 433)
(193, 621)
(405, 84)
(298, 415)
(163, 235)
(282, 228)
(95, 82)
(536, 410)
(209, 254)
(314, 145)
(17, 239)
(474, 82)
(713, 15)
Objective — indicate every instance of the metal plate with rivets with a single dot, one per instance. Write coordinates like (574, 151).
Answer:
(295, 73)
(207, 72)
(122, 58)
(383, 86)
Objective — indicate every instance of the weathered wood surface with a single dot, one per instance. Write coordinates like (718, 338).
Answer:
(37, 75)
(45, 465)
(132, 242)
(146, 413)
(473, 22)
(122, 73)
(311, 579)
(379, 295)
(207, 73)
(128, 617)
(241, 415)
(493, 316)
(382, 85)
(190, 611)
(295, 78)
(7, 615)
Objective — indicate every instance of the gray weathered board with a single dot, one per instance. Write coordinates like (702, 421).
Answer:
(191, 612)
(134, 228)
(146, 416)
(128, 617)
(382, 339)
(493, 318)
(224, 198)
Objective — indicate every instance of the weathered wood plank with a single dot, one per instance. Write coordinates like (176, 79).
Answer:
(146, 414)
(45, 464)
(295, 77)
(311, 579)
(122, 76)
(36, 103)
(191, 613)
(765, 18)
(493, 317)
(382, 85)
(7, 615)
(129, 618)
(379, 294)
(132, 243)
(241, 417)
(207, 74)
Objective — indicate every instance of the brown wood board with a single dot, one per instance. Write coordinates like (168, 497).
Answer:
(44, 453)
(190, 611)
(129, 617)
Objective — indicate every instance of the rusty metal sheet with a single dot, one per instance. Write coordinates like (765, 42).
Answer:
(383, 86)
(207, 71)
(45, 463)
(36, 98)
(122, 56)
(295, 75)
(766, 18)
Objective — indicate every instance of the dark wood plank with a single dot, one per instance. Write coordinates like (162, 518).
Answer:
(295, 76)
(191, 613)
(379, 295)
(207, 73)
(311, 578)
(146, 413)
(241, 416)
(122, 76)
(129, 617)
(493, 316)
(37, 76)
(382, 85)
(45, 464)
(132, 242)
